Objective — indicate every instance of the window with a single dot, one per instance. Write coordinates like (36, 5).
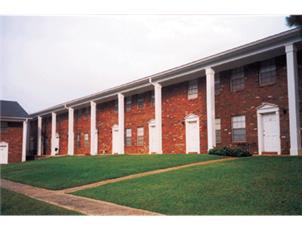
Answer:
(115, 106)
(267, 74)
(86, 139)
(78, 113)
(140, 136)
(237, 79)
(217, 84)
(140, 101)
(78, 140)
(152, 99)
(3, 126)
(128, 137)
(193, 89)
(238, 129)
(128, 103)
(218, 130)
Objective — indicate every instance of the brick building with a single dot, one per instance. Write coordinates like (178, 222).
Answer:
(248, 96)
(13, 132)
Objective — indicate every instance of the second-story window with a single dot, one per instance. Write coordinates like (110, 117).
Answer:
(152, 99)
(140, 101)
(267, 73)
(217, 84)
(115, 105)
(237, 80)
(128, 103)
(192, 89)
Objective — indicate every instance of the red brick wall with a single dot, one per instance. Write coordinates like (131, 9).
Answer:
(13, 136)
(139, 117)
(175, 107)
(82, 127)
(106, 117)
(245, 102)
(46, 135)
(62, 130)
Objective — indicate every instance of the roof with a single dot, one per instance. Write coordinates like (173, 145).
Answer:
(12, 110)
(276, 41)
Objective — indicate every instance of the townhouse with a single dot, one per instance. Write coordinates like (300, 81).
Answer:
(13, 132)
(247, 97)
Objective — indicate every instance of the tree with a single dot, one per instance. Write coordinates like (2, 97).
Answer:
(294, 20)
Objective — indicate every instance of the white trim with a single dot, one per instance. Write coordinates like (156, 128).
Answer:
(263, 109)
(121, 122)
(192, 118)
(210, 82)
(24, 140)
(151, 123)
(39, 147)
(158, 116)
(293, 100)
(53, 133)
(70, 131)
(93, 130)
(113, 149)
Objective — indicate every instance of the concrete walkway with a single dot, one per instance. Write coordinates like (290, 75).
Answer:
(75, 203)
(132, 176)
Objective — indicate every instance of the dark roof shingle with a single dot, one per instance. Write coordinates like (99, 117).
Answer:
(12, 109)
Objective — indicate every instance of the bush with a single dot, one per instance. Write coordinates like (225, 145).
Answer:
(231, 152)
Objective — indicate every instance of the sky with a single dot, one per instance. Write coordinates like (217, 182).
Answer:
(46, 61)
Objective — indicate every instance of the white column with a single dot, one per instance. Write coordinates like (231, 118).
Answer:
(39, 147)
(24, 140)
(210, 78)
(93, 129)
(53, 133)
(158, 116)
(70, 132)
(121, 122)
(293, 100)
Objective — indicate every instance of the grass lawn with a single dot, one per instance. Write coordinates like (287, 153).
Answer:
(65, 172)
(17, 204)
(246, 186)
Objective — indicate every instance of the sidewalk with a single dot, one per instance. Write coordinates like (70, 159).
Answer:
(75, 203)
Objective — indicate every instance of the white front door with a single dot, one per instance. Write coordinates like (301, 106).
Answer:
(270, 132)
(152, 137)
(57, 143)
(115, 139)
(3, 153)
(192, 135)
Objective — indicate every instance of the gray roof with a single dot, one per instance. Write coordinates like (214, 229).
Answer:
(12, 110)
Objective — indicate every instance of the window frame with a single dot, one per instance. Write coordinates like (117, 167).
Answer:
(218, 140)
(128, 103)
(238, 75)
(140, 138)
(128, 138)
(236, 129)
(140, 101)
(268, 69)
(217, 84)
(193, 89)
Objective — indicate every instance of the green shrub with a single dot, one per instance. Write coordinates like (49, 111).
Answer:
(231, 152)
